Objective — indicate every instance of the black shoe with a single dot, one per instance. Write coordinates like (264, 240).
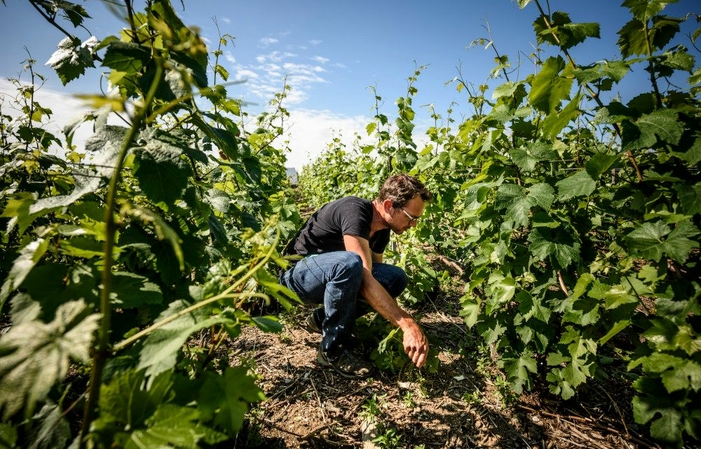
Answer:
(346, 364)
(310, 324)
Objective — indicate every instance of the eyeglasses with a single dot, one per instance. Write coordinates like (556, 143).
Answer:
(411, 218)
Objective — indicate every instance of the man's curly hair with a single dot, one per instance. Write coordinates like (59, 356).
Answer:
(401, 188)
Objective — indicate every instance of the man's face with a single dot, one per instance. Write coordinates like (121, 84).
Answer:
(403, 218)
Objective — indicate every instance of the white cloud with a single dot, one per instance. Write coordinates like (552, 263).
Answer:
(309, 132)
(315, 42)
(65, 109)
(320, 59)
(267, 41)
(245, 74)
(265, 78)
(275, 56)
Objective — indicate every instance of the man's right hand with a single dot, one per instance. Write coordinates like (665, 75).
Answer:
(415, 343)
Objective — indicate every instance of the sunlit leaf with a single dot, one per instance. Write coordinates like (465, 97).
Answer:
(551, 85)
(72, 58)
(644, 10)
(578, 184)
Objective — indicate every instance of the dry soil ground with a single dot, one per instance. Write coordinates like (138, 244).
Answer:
(462, 404)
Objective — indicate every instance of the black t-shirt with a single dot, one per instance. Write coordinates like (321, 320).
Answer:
(324, 230)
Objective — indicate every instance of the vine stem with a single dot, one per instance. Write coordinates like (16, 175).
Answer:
(102, 351)
(594, 95)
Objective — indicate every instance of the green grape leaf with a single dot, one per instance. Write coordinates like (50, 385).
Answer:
(643, 134)
(519, 201)
(562, 250)
(35, 355)
(578, 184)
(601, 163)
(690, 198)
(28, 257)
(675, 372)
(645, 10)
(174, 426)
(53, 429)
(577, 344)
(217, 230)
(615, 330)
(267, 323)
(162, 346)
(631, 39)
(549, 87)
(542, 195)
(555, 122)
(617, 296)
(692, 155)
(561, 32)
(130, 290)
(665, 335)
(528, 158)
(491, 329)
(653, 240)
(695, 77)
(126, 402)
(163, 230)
(517, 370)
(226, 398)
(74, 13)
(499, 290)
(663, 30)
(558, 384)
(655, 401)
(614, 70)
(532, 307)
(272, 286)
(162, 172)
(72, 58)
(513, 198)
(470, 309)
(17, 209)
(678, 60)
(24, 208)
(126, 57)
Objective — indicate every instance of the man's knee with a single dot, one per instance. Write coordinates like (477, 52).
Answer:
(351, 265)
(395, 280)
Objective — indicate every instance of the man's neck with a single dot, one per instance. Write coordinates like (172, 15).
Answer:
(378, 223)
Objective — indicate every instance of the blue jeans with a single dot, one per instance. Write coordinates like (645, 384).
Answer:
(333, 279)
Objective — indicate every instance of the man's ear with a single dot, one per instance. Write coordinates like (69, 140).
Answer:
(387, 205)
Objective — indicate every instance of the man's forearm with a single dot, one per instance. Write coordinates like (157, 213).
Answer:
(383, 303)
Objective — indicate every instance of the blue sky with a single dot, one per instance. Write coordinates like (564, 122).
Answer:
(332, 52)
